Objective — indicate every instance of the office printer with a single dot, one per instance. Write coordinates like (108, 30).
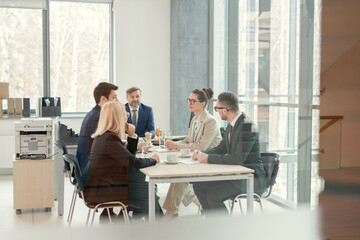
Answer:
(33, 139)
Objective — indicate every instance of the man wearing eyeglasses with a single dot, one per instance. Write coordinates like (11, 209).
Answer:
(239, 146)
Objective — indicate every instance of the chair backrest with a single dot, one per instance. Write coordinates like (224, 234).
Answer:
(271, 164)
(73, 163)
(62, 145)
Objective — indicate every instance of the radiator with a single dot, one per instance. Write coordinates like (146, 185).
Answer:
(7, 151)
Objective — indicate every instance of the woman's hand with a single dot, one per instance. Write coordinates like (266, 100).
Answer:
(171, 145)
(130, 129)
(156, 157)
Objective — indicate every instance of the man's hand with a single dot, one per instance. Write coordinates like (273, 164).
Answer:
(170, 145)
(130, 129)
(148, 135)
(200, 156)
(156, 157)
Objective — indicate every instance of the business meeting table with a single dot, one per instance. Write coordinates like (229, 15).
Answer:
(187, 170)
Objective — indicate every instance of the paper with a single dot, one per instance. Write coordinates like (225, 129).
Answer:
(163, 150)
(189, 161)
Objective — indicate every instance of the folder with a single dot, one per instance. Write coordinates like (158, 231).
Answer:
(11, 107)
(18, 107)
(26, 107)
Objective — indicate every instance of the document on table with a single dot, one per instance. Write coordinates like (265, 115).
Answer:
(189, 161)
(164, 150)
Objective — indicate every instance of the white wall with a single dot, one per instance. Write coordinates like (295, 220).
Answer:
(142, 53)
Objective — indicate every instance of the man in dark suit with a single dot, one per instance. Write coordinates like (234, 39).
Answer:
(103, 93)
(140, 114)
(239, 146)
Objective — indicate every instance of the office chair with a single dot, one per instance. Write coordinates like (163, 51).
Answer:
(271, 164)
(67, 170)
(74, 166)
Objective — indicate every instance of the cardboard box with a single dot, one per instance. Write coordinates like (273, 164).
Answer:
(4, 90)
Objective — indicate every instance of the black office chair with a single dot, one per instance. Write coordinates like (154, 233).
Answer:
(75, 168)
(67, 170)
(271, 164)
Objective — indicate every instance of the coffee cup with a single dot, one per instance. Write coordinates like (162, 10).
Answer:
(172, 158)
(185, 152)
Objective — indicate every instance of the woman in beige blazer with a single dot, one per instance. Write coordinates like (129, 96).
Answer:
(204, 133)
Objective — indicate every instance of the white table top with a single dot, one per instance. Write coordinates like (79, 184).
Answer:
(189, 170)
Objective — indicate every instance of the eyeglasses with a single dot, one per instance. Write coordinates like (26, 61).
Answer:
(216, 108)
(127, 114)
(192, 101)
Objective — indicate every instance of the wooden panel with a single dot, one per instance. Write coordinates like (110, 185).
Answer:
(33, 183)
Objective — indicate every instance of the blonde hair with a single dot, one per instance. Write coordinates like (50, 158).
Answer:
(112, 118)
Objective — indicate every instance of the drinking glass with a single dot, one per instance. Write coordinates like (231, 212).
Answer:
(162, 140)
(144, 148)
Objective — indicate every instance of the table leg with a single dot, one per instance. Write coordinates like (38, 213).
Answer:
(61, 187)
(250, 193)
(151, 201)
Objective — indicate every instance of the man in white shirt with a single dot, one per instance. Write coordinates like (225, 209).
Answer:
(239, 146)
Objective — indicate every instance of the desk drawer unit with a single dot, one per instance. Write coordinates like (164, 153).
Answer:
(33, 184)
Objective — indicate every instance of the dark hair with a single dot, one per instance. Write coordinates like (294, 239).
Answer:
(132, 89)
(103, 89)
(204, 95)
(229, 100)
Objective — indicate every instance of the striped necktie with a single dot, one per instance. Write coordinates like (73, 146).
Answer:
(134, 118)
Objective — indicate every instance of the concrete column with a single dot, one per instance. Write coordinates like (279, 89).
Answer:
(189, 57)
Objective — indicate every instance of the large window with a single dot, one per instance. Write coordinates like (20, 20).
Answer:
(56, 48)
(21, 52)
(79, 54)
(264, 55)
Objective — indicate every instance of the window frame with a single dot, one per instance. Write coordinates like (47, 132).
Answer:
(44, 6)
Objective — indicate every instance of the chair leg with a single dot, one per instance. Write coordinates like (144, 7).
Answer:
(240, 206)
(72, 212)
(88, 216)
(108, 212)
(260, 204)
(199, 210)
(125, 214)
(232, 206)
(72, 204)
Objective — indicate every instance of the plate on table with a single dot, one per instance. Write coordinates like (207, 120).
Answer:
(167, 162)
(184, 156)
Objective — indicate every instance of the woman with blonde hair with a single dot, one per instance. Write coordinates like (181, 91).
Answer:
(113, 165)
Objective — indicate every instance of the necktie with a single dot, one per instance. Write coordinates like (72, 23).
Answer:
(134, 118)
(230, 129)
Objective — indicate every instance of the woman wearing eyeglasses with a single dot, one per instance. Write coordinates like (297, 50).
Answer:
(204, 133)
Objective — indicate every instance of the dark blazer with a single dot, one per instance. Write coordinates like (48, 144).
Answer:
(145, 121)
(109, 165)
(88, 127)
(243, 149)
